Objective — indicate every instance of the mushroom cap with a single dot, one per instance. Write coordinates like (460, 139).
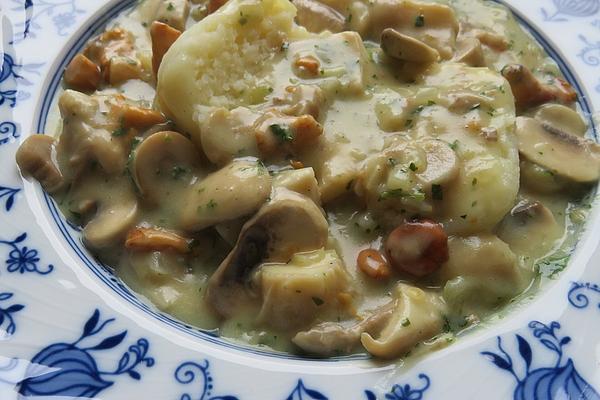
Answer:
(290, 223)
(561, 152)
(562, 117)
(442, 163)
(36, 156)
(111, 222)
(234, 191)
(405, 48)
(162, 149)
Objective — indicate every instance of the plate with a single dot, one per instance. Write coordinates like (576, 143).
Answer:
(70, 329)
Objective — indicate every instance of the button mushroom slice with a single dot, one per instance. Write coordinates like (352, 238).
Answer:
(290, 223)
(162, 156)
(530, 92)
(331, 338)
(530, 219)
(540, 179)
(234, 191)
(110, 223)
(318, 17)
(417, 316)
(562, 153)
(37, 157)
(563, 118)
(163, 36)
(442, 164)
(405, 48)
(469, 51)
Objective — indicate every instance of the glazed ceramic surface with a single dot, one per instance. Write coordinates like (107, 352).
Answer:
(70, 329)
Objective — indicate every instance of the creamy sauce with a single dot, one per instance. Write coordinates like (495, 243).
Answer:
(381, 118)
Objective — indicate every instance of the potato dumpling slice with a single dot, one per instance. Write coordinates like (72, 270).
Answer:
(225, 60)
(294, 293)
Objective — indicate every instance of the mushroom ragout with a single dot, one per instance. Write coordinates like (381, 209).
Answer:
(321, 177)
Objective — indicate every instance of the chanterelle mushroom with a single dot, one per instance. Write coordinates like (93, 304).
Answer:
(561, 152)
(36, 157)
(290, 223)
(405, 48)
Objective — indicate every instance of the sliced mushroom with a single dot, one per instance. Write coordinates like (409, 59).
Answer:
(330, 338)
(110, 223)
(530, 219)
(417, 316)
(157, 158)
(468, 51)
(37, 157)
(562, 153)
(540, 179)
(530, 92)
(442, 164)
(405, 48)
(237, 190)
(290, 223)
(563, 118)
(318, 17)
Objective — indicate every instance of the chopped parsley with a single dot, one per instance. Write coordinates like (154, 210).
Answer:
(211, 204)
(437, 192)
(178, 171)
(405, 322)
(283, 133)
(454, 145)
(413, 167)
(417, 195)
(420, 21)
(120, 131)
(170, 7)
(349, 18)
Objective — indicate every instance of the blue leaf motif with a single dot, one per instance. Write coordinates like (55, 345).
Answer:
(91, 324)
(20, 238)
(370, 395)
(110, 342)
(497, 360)
(301, 392)
(192, 372)
(525, 350)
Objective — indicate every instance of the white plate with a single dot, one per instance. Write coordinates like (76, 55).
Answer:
(70, 329)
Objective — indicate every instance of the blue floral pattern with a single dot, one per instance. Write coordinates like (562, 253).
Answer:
(7, 194)
(560, 380)
(577, 298)
(404, 392)
(7, 322)
(301, 392)
(11, 73)
(191, 372)
(590, 54)
(71, 368)
(573, 8)
(23, 259)
(62, 12)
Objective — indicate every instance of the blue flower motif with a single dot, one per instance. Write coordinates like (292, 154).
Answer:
(576, 297)
(189, 372)
(560, 380)
(7, 322)
(301, 392)
(71, 369)
(8, 193)
(64, 15)
(590, 54)
(10, 95)
(574, 8)
(8, 130)
(404, 392)
(23, 259)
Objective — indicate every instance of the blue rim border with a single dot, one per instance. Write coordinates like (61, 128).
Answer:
(106, 275)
